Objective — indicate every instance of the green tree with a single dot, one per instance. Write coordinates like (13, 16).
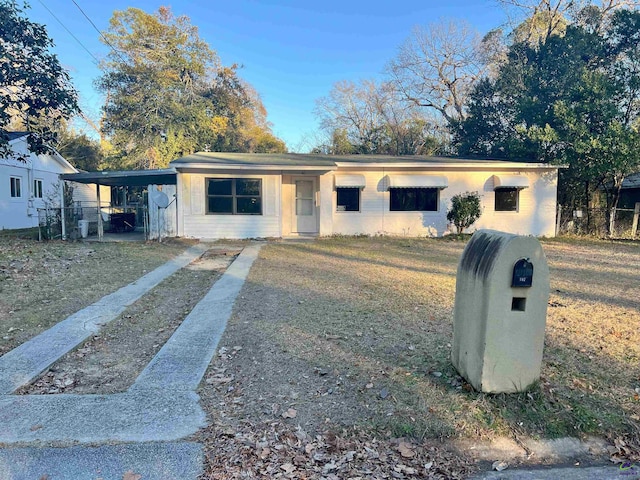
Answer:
(79, 150)
(35, 91)
(167, 94)
(465, 210)
(571, 99)
(150, 81)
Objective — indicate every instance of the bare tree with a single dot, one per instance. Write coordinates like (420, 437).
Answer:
(371, 117)
(437, 66)
(352, 108)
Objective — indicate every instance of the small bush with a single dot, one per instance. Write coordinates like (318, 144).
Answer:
(465, 210)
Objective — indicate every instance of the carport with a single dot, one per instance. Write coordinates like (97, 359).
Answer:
(122, 178)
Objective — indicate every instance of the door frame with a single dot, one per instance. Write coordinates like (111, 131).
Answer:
(316, 213)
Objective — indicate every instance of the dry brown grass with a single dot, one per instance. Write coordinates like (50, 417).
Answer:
(379, 310)
(41, 283)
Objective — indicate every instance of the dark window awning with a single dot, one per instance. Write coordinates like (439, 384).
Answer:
(128, 178)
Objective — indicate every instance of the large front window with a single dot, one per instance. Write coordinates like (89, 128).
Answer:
(414, 199)
(234, 196)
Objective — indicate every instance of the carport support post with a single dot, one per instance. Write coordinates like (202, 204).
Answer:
(100, 228)
(636, 215)
(62, 213)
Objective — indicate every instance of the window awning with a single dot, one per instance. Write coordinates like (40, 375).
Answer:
(418, 181)
(350, 181)
(510, 181)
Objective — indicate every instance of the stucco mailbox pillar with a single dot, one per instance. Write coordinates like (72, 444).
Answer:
(502, 291)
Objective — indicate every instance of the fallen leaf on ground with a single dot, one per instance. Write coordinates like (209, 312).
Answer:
(129, 475)
(288, 467)
(406, 450)
(291, 413)
(499, 466)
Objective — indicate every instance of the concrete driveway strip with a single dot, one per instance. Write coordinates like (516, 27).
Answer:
(162, 405)
(25, 362)
(183, 360)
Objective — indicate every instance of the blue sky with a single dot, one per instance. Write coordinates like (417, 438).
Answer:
(292, 52)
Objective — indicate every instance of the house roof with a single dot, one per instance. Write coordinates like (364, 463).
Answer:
(302, 161)
(132, 178)
(14, 135)
(235, 160)
(632, 181)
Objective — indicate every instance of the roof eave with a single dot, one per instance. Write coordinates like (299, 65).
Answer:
(479, 164)
(227, 166)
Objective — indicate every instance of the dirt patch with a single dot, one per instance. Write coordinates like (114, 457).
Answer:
(42, 283)
(111, 361)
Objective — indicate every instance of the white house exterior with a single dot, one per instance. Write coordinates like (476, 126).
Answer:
(29, 185)
(227, 195)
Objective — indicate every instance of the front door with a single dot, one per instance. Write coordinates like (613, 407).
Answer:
(305, 217)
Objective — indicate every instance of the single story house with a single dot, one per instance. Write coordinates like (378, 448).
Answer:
(33, 183)
(235, 195)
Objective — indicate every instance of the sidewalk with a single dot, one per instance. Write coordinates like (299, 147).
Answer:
(577, 473)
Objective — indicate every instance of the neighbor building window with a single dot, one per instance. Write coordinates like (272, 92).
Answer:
(37, 188)
(16, 188)
(348, 199)
(234, 196)
(414, 199)
(507, 199)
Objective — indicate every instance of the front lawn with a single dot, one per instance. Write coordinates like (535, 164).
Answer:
(374, 315)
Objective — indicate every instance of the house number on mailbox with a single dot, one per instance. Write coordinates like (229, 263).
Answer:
(522, 273)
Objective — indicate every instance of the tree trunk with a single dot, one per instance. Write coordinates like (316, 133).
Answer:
(615, 198)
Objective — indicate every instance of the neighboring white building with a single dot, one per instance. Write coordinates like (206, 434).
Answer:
(29, 184)
(231, 195)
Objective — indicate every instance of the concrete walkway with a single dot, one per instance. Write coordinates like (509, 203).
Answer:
(161, 406)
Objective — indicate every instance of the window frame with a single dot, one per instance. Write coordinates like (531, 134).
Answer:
(502, 190)
(234, 196)
(414, 189)
(38, 188)
(359, 194)
(15, 186)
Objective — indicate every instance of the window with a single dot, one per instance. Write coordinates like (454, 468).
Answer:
(16, 190)
(348, 199)
(507, 199)
(234, 196)
(414, 199)
(37, 188)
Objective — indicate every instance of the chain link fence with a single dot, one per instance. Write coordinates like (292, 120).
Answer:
(598, 222)
(81, 220)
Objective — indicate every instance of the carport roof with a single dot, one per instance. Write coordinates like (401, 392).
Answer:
(129, 178)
